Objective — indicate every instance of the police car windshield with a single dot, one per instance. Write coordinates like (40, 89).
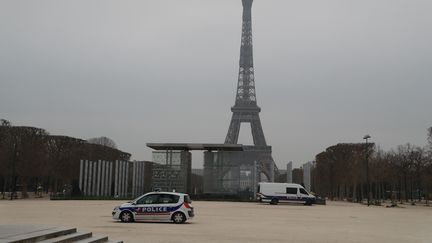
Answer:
(136, 199)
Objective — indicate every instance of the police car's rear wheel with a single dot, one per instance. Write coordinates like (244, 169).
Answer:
(178, 218)
(126, 217)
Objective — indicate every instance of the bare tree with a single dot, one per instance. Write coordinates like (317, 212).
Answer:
(105, 141)
(29, 157)
(419, 160)
(341, 169)
(64, 156)
(404, 173)
(32, 157)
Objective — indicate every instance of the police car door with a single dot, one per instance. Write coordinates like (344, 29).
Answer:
(144, 207)
(168, 204)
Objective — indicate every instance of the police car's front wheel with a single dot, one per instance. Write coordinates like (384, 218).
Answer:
(178, 218)
(126, 217)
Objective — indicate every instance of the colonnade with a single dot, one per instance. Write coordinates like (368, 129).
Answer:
(104, 178)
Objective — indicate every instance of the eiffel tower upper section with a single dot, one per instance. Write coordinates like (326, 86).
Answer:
(246, 96)
(245, 108)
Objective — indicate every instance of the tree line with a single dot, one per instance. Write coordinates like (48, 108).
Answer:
(30, 157)
(357, 171)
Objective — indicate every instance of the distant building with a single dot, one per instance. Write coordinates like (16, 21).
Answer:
(246, 180)
(297, 175)
(228, 168)
(199, 172)
(307, 168)
(289, 172)
(142, 172)
(232, 173)
(197, 182)
(172, 170)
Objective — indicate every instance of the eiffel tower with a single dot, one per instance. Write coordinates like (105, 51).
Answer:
(245, 109)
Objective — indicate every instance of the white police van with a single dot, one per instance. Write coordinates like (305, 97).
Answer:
(156, 206)
(274, 193)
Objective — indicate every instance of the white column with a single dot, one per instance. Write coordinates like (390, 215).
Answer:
(289, 172)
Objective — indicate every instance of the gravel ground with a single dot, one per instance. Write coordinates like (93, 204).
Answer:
(236, 222)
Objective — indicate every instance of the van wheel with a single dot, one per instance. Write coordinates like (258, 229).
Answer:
(274, 201)
(178, 218)
(126, 217)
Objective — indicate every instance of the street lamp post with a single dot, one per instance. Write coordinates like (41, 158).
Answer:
(366, 137)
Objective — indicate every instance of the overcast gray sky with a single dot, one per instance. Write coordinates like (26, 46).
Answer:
(327, 71)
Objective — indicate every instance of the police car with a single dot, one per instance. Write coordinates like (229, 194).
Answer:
(156, 206)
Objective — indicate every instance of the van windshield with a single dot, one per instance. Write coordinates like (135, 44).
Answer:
(303, 191)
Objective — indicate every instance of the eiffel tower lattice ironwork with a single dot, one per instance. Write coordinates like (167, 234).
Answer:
(246, 109)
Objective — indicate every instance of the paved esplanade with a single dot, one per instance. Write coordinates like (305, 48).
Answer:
(228, 222)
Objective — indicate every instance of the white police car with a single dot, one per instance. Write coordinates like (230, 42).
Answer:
(156, 206)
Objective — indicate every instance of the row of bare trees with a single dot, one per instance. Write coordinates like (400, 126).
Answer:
(358, 171)
(29, 157)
